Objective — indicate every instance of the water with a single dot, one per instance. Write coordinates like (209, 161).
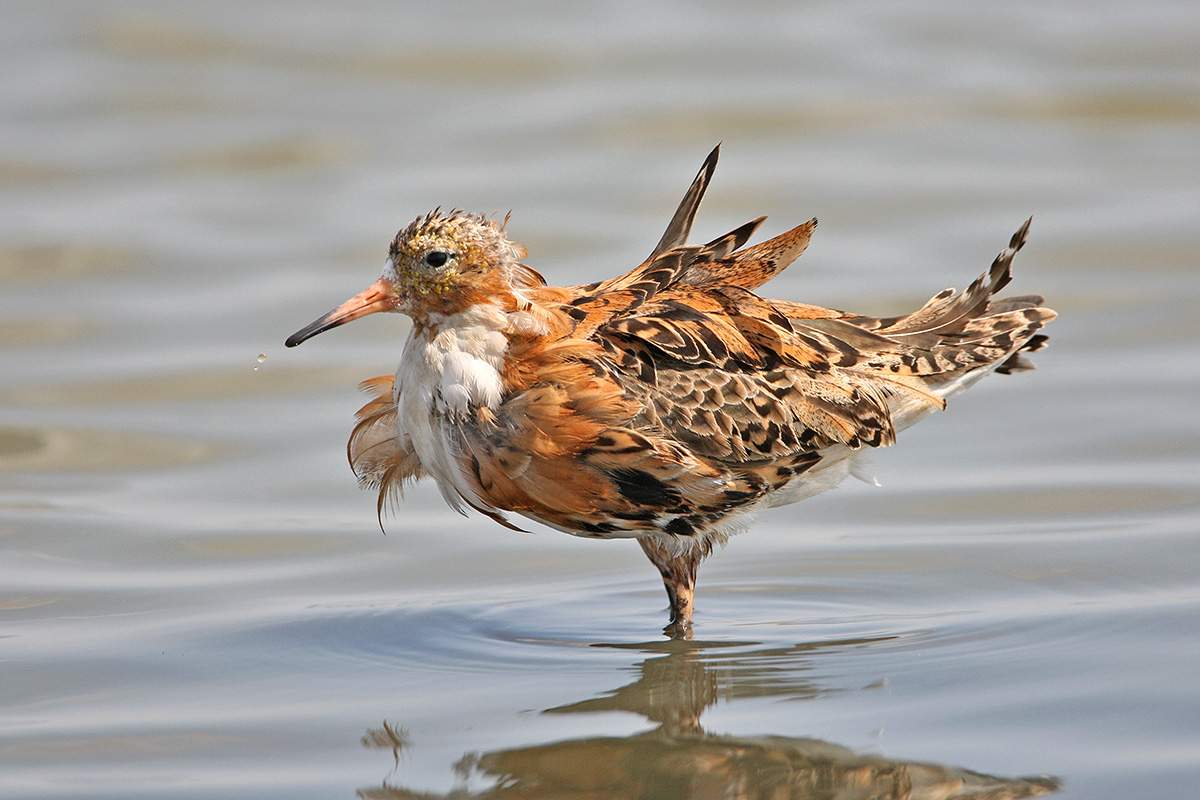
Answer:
(197, 600)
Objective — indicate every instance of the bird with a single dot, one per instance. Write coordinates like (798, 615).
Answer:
(670, 404)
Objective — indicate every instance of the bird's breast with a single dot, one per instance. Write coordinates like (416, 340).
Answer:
(448, 373)
(457, 365)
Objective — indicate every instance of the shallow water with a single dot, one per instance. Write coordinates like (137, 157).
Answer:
(197, 602)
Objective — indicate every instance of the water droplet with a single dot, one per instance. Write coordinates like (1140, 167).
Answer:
(261, 358)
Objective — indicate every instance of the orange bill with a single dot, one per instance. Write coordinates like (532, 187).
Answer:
(379, 296)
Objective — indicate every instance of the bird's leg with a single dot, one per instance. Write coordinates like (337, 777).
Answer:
(679, 577)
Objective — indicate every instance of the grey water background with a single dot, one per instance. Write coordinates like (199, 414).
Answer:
(197, 601)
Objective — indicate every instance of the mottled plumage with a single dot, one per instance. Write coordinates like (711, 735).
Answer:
(669, 404)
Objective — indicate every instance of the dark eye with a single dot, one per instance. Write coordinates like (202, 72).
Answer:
(437, 258)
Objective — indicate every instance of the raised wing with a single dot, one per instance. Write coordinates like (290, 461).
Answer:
(740, 378)
(680, 226)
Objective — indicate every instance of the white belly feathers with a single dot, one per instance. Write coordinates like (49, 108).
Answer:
(442, 375)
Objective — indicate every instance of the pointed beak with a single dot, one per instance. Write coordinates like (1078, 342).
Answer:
(379, 296)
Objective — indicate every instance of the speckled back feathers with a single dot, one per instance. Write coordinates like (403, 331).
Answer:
(673, 401)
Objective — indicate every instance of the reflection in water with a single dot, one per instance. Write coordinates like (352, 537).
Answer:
(388, 737)
(679, 759)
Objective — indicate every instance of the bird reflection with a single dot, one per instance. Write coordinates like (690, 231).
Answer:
(679, 759)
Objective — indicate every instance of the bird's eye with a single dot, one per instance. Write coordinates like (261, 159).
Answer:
(437, 258)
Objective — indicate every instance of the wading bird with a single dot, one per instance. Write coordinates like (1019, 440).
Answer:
(670, 404)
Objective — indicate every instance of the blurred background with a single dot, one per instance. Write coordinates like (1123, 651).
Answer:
(197, 600)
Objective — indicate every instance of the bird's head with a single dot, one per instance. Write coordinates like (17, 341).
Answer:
(440, 265)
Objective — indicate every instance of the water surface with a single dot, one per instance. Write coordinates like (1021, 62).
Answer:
(197, 601)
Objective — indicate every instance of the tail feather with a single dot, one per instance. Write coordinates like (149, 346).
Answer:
(947, 343)
(1018, 363)
(944, 312)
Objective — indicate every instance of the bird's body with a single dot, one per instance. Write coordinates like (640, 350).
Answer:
(670, 404)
